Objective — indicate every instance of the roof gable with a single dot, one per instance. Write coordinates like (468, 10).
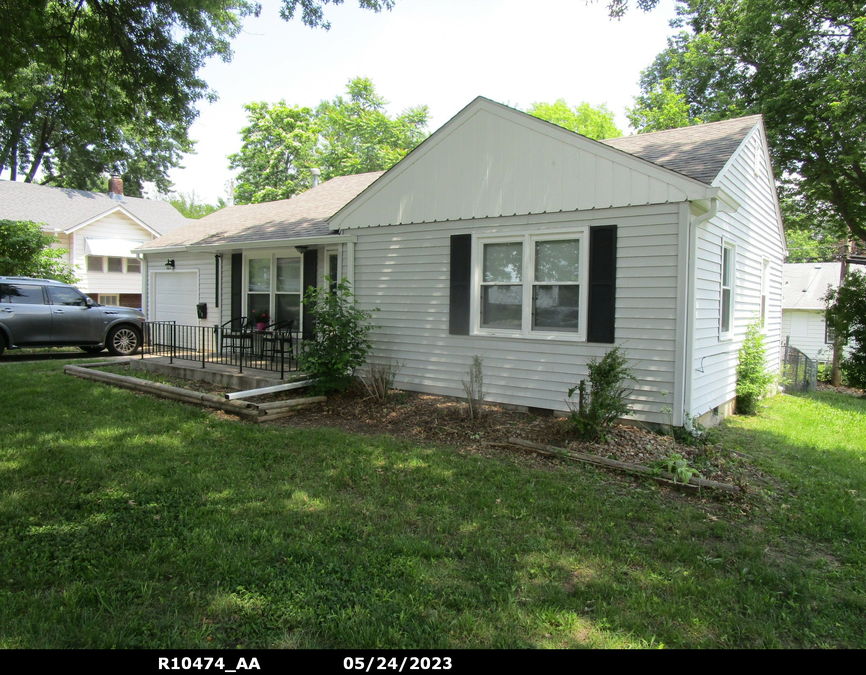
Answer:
(65, 210)
(490, 160)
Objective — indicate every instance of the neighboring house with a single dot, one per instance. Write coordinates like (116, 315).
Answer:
(539, 249)
(804, 286)
(98, 230)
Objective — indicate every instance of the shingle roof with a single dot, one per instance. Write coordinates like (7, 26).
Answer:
(805, 284)
(304, 215)
(63, 209)
(700, 151)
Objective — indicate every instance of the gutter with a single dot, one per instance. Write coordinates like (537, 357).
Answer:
(691, 294)
(269, 243)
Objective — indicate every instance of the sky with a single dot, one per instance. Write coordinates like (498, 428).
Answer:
(439, 53)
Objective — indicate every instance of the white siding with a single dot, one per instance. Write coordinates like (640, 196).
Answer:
(754, 230)
(403, 271)
(491, 161)
(113, 226)
(806, 330)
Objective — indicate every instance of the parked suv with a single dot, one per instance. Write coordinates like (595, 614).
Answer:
(45, 313)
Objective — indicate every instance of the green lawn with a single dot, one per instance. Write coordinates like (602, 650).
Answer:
(127, 521)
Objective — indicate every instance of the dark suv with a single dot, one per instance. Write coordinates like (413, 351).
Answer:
(45, 313)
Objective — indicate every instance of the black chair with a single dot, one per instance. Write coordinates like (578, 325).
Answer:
(277, 340)
(236, 335)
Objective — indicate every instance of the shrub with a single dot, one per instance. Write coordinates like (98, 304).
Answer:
(341, 338)
(607, 399)
(379, 378)
(846, 312)
(753, 380)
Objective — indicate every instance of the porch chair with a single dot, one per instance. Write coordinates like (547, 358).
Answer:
(277, 339)
(236, 334)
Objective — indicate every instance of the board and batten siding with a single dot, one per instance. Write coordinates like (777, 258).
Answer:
(755, 233)
(403, 272)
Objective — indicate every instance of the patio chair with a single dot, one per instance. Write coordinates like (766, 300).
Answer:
(277, 340)
(236, 335)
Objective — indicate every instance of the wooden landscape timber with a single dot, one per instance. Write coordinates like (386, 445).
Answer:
(254, 412)
(551, 451)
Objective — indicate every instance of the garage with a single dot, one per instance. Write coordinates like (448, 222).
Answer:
(175, 295)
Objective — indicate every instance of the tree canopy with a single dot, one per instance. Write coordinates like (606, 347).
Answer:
(595, 122)
(89, 87)
(802, 66)
(344, 136)
(25, 251)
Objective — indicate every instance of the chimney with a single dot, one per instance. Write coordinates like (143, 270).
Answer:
(115, 187)
(316, 173)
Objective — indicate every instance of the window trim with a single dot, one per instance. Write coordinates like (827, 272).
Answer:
(732, 290)
(528, 283)
(272, 293)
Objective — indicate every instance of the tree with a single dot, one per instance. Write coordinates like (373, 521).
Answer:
(345, 136)
(596, 123)
(660, 107)
(89, 87)
(190, 207)
(846, 314)
(25, 251)
(278, 149)
(803, 67)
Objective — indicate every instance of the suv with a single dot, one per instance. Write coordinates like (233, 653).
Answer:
(46, 313)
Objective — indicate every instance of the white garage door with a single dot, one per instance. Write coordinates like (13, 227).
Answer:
(175, 295)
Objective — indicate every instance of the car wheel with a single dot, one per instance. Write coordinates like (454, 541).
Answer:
(123, 341)
(92, 349)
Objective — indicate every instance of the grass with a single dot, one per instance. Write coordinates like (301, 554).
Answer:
(127, 521)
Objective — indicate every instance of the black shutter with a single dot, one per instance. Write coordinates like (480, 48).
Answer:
(461, 274)
(602, 284)
(311, 275)
(237, 290)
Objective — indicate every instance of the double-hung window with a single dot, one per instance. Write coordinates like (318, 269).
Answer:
(727, 300)
(531, 285)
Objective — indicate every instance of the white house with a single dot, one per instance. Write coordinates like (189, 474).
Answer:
(804, 286)
(512, 238)
(98, 230)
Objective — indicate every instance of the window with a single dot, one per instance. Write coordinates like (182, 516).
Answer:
(64, 295)
(765, 290)
(334, 269)
(133, 266)
(531, 284)
(829, 334)
(274, 288)
(94, 263)
(115, 265)
(727, 300)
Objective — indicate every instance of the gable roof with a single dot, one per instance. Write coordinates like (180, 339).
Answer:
(805, 284)
(64, 209)
(490, 160)
(699, 151)
(304, 215)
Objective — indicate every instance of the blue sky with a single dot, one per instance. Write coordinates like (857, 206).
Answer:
(442, 53)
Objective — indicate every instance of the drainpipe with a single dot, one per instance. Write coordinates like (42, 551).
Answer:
(691, 294)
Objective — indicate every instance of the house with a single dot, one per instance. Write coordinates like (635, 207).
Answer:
(98, 230)
(804, 286)
(508, 237)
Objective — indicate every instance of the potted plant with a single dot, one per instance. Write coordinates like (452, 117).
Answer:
(261, 319)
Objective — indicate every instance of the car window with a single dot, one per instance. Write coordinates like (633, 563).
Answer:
(22, 294)
(63, 295)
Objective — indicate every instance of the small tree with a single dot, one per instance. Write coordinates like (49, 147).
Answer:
(753, 380)
(25, 251)
(341, 339)
(607, 396)
(846, 313)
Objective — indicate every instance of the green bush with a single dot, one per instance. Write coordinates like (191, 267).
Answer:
(341, 338)
(846, 312)
(607, 398)
(753, 380)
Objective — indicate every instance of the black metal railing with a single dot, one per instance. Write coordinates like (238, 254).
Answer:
(275, 351)
(799, 371)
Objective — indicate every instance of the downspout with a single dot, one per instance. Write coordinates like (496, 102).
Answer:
(691, 295)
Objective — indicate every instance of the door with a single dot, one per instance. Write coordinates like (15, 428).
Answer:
(175, 295)
(72, 321)
(25, 314)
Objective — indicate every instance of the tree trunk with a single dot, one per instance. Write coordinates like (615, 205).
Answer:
(836, 372)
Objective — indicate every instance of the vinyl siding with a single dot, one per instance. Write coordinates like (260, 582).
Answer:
(807, 332)
(403, 273)
(754, 231)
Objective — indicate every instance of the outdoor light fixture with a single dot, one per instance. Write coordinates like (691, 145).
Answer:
(301, 249)
(169, 264)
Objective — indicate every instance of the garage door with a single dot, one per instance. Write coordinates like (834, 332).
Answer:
(175, 295)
